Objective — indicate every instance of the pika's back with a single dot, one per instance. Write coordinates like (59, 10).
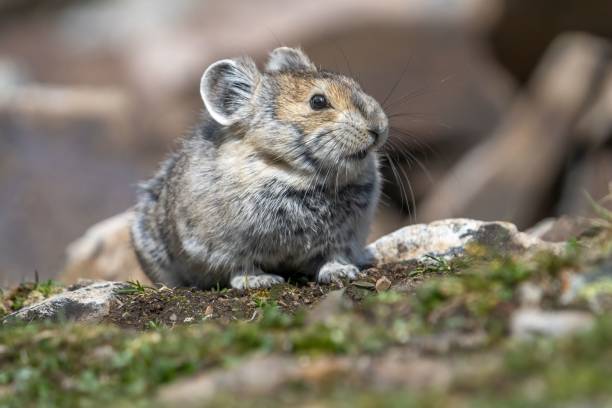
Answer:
(280, 177)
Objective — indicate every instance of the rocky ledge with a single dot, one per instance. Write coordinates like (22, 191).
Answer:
(105, 250)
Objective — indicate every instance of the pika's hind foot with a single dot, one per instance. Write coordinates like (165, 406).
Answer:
(334, 270)
(264, 280)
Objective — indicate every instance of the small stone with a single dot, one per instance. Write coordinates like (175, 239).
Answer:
(188, 320)
(383, 284)
(209, 311)
(173, 317)
(364, 285)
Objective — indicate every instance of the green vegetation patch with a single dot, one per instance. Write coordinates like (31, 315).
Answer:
(27, 294)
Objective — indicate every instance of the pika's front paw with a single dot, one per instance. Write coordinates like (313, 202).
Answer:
(255, 281)
(333, 271)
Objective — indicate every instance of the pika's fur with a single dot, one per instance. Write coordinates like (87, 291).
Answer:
(281, 177)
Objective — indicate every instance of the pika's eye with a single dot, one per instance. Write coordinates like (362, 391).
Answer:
(318, 102)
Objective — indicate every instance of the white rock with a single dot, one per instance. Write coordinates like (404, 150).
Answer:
(87, 304)
(448, 238)
(528, 323)
(104, 252)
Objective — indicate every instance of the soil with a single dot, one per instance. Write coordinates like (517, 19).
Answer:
(164, 306)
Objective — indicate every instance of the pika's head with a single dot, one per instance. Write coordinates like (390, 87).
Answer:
(309, 118)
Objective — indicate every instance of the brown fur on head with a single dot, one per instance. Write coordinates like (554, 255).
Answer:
(308, 118)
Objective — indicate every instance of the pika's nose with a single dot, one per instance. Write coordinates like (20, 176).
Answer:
(374, 134)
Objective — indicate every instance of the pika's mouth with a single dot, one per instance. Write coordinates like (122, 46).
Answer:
(360, 155)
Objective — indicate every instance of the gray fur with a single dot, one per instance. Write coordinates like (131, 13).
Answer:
(289, 59)
(259, 199)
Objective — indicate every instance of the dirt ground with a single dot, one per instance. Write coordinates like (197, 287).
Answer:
(143, 307)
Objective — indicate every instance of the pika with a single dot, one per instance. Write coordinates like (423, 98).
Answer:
(281, 177)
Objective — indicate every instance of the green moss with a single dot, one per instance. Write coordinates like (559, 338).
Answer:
(69, 365)
(27, 294)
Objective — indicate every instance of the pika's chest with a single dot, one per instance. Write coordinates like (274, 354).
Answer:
(284, 220)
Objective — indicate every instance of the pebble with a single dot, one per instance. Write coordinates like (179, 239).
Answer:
(383, 284)
(209, 311)
(364, 285)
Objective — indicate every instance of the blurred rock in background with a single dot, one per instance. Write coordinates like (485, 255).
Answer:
(93, 94)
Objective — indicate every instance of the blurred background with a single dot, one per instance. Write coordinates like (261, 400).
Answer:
(501, 109)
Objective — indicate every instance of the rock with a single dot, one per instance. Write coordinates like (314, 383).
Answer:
(87, 304)
(449, 238)
(208, 313)
(364, 285)
(528, 323)
(383, 284)
(559, 229)
(104, 252)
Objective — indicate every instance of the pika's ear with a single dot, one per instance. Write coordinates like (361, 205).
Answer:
(289, 59)
(227, 87)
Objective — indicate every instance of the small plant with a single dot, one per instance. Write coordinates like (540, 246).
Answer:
(133, 288)
(219, 289)
(272, 316)
(441, 265)
(154, 325)
(47, 288)
(29, 293)
(604, 216)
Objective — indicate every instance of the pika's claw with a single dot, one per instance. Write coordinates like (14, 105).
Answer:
(333, 271)
(255, 281)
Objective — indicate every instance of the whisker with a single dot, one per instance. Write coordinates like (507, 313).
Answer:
(412, 157)
(348, 65)
(403, 194)
(420, 91)
(395, 85)
(412, 195)
(412, 137)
